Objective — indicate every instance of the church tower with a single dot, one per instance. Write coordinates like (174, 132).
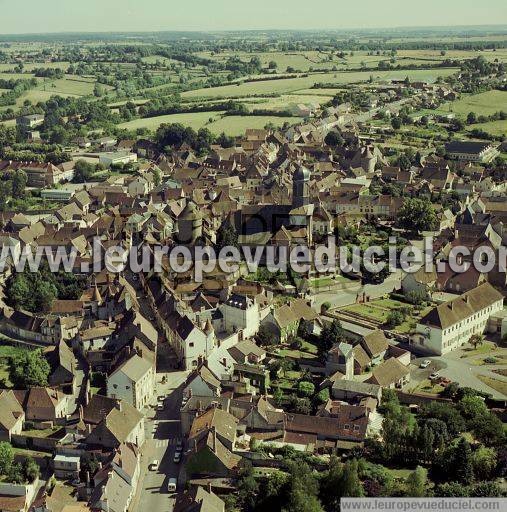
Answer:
(300, 187)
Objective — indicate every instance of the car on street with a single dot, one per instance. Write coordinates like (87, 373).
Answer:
(154, 465)
(160, 406)
(425, 363)
(177, 456)
(434, 376)
(171, 486)
(179, 444)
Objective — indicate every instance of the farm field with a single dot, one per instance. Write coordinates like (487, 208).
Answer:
(195, 120)
(30, 66)
(493, 127)
(231, 125)
(485, 103)
(291, 85)
(237, 125)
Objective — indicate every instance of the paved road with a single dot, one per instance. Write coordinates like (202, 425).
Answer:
(162, 433)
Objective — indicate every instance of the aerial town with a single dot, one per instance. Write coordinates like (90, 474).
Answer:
(146, 383)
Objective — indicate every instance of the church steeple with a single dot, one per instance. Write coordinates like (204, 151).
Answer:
(300, 187)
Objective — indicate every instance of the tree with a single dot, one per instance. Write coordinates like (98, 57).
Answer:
(417, 215)
(272, 64)
(349, 484)
(332, 333)
(300, 405)
(476, 339)
(484, 462)
(472, 407)
(462, 462)
(489, 430)
(226, 236)
(82, 171)
(396, 123)
(394, 318)
(29, 369)
(471, 118)
(19, 181)
(157, 176)
(6, 458)
(417, 482)
(265, 336)
(31, 469)
(333, 139)
(306, 389)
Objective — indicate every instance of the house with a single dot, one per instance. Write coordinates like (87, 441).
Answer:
(422, 282)
(202, 382)
(66, 467)
(191, 343)
(471, 151)
(390, 374)
(119, 423)
(12, 415)
(450, 325)
(241, 313)
(43, 404)
(63, 366)
(198, 499)
(133, 381)
(375, 345)
(115, 483)
(246, 352)
(211, 440)
(350, 390)
(30, 122)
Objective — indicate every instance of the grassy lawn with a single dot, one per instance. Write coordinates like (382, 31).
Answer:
(426, 386)
(7, 352)
(368, 311)
(483, 349)
(496, 384)
(48, 432)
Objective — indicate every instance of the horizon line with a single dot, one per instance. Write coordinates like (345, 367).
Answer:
(497, 26)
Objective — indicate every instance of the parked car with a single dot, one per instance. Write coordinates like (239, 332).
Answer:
(179, 444)
(177, 456)
(434, 376)
(154, 465)
(425, 363)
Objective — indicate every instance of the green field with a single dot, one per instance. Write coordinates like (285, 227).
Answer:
(232, 125)
(493, 127)
(485, 103)
(291, 85)
(195, 120)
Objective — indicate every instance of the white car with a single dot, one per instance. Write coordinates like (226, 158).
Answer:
(425, 363)
(434, 376)
(154, 465)
(177, 456)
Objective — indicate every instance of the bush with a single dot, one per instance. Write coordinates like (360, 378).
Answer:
(306, 389)
(395, 317)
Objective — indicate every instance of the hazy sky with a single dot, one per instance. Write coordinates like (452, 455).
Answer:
(25, 16)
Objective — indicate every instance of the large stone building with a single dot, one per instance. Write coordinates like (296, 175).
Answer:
(452, 324)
